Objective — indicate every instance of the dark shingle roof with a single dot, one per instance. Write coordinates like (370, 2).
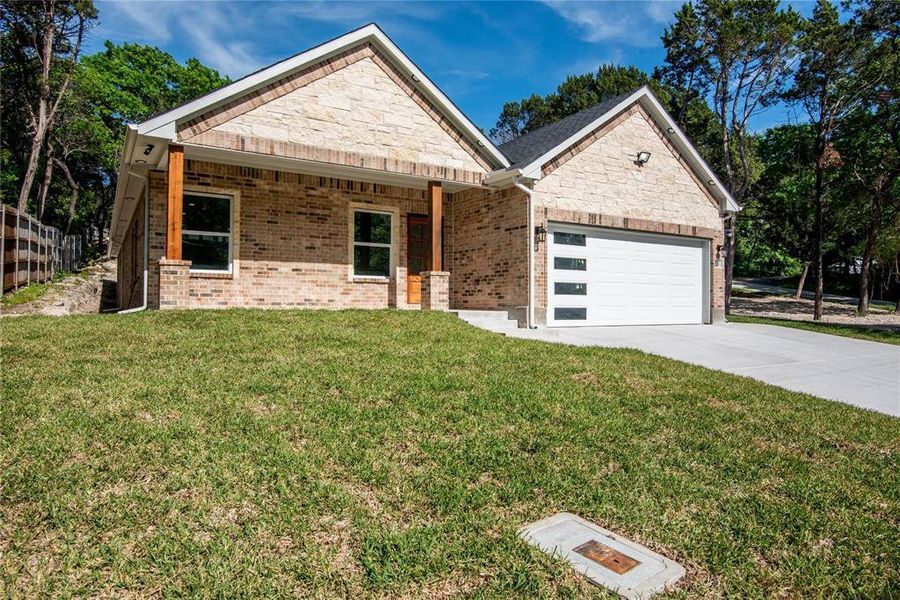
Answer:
(530, 146)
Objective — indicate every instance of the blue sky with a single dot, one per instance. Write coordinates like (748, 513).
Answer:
(481, 54)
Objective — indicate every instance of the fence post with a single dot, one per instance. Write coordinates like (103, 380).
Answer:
(3, 250)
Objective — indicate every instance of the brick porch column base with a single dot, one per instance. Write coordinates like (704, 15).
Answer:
(435, 290)
(174, 283)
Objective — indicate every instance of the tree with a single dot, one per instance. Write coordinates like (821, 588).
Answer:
(776, 222)
(740, 52)
(45, 43)
(574, 94)
(829, 84)
(872, 134)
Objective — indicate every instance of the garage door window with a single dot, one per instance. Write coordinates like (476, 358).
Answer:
(570, 314)
(565, 263)
(570, 289)
(569, 239)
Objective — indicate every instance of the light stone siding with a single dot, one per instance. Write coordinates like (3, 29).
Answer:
(358, 108)
(603, 178)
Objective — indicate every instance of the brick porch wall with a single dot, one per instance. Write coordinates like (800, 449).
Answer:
(294, 235)
(130, 263)
(487, 254)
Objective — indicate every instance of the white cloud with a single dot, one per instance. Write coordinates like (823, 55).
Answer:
(210, 31)
(661, 11)
(633, 23)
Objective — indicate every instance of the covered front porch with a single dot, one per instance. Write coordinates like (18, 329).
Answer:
(229, 229)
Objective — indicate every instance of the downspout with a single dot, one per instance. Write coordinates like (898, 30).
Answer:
(529, 319)
(146, 179)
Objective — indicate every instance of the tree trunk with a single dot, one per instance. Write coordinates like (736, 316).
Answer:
(28, 180)
(818, 234)
(73, 202)
(802, 282)
(42, 119)
(872, 236)
(45, 185)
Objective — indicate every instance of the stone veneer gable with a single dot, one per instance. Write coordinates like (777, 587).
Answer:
(599, 175)
(361, 108)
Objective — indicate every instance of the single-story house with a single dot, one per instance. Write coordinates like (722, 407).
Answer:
(343, 177)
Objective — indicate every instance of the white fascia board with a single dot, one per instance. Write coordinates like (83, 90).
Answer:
(164, 125)
(122, 182)
(648, 101)
(700, 166)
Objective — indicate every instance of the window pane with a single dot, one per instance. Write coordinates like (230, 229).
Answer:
(570, 289)
(569, 239)
(372, 227)
(206, 213)
(369, 261)
(570, 264)
(570, 314)
(206, 251)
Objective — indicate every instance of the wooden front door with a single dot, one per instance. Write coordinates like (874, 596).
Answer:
(418, 243)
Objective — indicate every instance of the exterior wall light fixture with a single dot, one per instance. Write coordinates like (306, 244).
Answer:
(719, 249)
(540, 234)
(642, 157)
(148, 149)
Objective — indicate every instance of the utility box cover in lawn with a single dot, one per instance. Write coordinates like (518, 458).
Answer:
(606, 559)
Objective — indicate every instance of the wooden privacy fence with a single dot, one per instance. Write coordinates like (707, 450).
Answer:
(34, 252)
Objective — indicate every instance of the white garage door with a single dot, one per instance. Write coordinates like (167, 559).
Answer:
(613, 277)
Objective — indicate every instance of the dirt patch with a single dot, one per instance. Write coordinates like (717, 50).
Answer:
(86, 292)
(785, 307)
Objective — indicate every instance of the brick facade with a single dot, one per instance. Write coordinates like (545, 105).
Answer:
(487, 253)
(130, 263)
(293, 244)
(435, 290)
(292, 239)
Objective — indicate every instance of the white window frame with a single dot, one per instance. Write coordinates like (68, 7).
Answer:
(231, 201)
(353, 243)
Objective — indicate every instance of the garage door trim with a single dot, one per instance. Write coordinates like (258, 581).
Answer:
(613, 233)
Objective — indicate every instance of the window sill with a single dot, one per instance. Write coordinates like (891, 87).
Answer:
(369, 279)
(211, 275)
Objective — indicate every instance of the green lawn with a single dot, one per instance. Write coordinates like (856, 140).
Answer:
(853, 331)
(385, 453)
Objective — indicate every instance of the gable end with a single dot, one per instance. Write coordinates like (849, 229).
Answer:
(239, 106)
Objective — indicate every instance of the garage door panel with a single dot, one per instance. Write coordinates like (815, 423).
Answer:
(628, 278)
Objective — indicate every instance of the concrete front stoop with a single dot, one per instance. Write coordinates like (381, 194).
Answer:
(498, 321)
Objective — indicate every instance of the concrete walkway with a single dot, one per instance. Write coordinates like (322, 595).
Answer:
(857, 372)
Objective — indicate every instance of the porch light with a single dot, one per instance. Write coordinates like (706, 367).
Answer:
(670, 130)
(148, 149)
(642, 157)
(719, 249)
(540, 234)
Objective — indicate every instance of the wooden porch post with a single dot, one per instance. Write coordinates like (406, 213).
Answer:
(175, 199)
(436, 213)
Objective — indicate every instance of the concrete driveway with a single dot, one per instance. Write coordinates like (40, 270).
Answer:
(856, 372)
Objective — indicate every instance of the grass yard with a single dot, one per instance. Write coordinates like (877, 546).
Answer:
(393, 453)
(852, 331)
